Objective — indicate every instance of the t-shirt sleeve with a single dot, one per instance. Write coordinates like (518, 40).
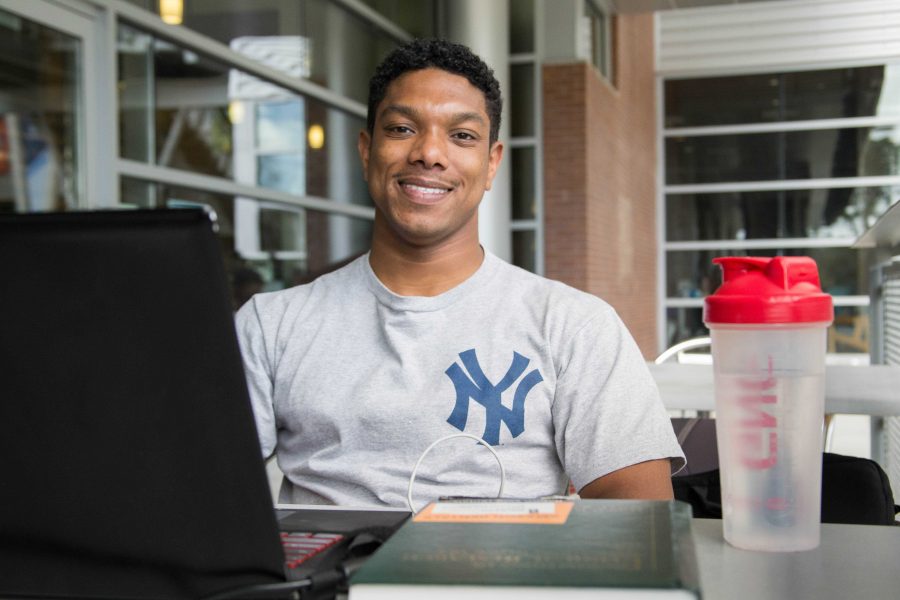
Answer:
(607, 410)
(257, 368)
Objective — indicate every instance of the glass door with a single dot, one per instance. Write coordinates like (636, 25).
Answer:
(44, 47)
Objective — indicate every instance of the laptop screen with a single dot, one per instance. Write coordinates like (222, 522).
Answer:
(130, 462)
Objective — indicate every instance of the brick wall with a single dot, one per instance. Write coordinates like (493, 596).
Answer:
(600, 178)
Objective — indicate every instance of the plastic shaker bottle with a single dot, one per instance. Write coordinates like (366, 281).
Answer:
(768, 324)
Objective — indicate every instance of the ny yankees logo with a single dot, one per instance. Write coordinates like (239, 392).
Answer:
(477, 387)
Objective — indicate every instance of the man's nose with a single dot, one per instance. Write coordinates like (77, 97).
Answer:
(429, 150)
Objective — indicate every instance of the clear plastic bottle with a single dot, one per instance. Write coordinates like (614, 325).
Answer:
(768, 323)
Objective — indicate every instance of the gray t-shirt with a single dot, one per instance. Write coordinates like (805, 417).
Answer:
(350, 383)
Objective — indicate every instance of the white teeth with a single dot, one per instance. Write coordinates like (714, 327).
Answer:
(425, 190)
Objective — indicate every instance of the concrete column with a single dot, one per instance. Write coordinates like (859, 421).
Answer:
(340, 137)
(484, 27)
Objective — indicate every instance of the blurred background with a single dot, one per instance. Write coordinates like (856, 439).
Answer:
(644, 137)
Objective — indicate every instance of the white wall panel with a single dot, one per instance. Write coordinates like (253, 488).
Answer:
(778, 35)
(891, 356)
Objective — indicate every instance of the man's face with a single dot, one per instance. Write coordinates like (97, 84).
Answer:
(428, 160)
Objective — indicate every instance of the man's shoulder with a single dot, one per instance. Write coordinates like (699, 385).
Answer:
(556, 294)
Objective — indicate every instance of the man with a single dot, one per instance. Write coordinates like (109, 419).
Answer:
(354, 375)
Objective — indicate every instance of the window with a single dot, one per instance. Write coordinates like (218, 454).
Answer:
(523, 151)
(344, 47)
(598, 36)
(794, 163)
(39, 117)
(267, 154)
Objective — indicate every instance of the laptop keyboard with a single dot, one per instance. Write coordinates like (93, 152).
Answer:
(301, 546)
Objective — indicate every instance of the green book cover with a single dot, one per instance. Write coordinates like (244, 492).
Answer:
(640, 546)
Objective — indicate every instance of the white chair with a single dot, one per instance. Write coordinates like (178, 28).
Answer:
(679, 350)
(679, 353)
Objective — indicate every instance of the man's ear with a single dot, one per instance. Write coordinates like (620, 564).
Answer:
(362, 144)
(494, 157)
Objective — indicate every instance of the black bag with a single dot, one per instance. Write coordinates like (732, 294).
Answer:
(854, 490)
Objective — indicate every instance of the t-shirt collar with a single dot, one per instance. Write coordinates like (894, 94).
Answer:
(429, 303)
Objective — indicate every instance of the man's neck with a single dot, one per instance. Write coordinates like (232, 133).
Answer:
(431, 271)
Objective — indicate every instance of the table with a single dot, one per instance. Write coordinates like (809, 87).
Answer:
(853, 561)
(861, 390)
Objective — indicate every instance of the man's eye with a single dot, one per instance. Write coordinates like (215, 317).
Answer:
(463, 135)
(399, 129)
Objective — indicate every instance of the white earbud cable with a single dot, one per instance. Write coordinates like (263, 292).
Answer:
(412, 477)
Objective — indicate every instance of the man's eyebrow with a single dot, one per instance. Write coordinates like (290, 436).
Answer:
(467, 116)
(413, 113)
(406, 111)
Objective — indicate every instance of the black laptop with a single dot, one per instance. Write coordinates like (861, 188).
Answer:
(129, 461)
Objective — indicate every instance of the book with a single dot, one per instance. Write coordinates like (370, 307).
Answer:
(637, 549)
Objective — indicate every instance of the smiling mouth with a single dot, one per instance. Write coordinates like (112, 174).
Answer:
(425, 190)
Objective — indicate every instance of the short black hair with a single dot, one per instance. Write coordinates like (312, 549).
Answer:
(439, 54)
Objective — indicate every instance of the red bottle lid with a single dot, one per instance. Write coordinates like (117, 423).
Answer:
(755, 289)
